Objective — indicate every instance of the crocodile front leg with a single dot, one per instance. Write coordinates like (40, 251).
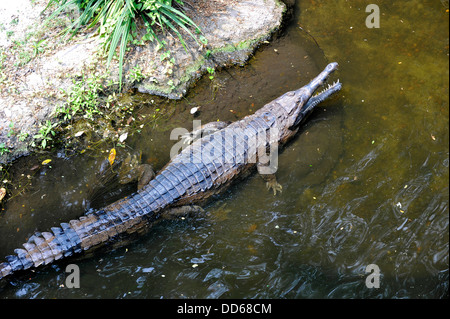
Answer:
(270, 179)
(267, 165)
(203, 130)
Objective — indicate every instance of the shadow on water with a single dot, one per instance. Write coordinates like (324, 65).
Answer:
(361, 184)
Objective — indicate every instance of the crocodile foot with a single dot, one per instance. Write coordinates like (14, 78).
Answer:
(188, 138)
(275, 186)
(146, 174)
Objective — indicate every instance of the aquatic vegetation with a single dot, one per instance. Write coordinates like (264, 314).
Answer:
(117, 22)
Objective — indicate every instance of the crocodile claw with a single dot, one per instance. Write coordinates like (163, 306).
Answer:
(274, 186)
(187, 138)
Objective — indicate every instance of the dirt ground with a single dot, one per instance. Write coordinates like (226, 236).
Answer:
(36, 64)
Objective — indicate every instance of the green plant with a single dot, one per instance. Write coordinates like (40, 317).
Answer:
(38, 47)
(3, 149)
(211, 72)
(24, 58)
(83, 98)
(171, 84)
(45, 133)
(14, 21)
(11, 129)
(136, 74)
(117, 19)
(22, 136)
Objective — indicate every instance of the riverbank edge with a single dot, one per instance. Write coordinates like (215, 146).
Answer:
(216, 54)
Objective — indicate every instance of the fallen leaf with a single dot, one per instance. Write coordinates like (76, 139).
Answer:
(2, 193)
(46, 161)
(112, 156)
(78, 134)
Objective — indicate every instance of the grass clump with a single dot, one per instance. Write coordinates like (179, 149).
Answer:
(82, 98)
(116, 22)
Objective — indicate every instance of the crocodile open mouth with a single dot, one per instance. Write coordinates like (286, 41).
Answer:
(330, 89)
(321, 96)
(317, 98)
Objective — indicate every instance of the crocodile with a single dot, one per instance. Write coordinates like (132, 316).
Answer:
(206, 166)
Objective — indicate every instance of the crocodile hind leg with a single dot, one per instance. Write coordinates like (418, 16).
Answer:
(182, 211)
(146, 174)
(203, 130)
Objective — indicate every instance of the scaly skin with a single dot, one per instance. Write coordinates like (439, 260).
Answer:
(204, 168)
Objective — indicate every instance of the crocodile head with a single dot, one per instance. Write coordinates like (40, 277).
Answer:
(298, 104)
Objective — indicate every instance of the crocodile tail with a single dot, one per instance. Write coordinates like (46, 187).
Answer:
(90, 230)
(42, 249)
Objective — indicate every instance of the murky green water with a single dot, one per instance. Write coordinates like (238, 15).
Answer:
(366, 181)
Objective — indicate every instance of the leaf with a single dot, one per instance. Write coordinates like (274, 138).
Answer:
(78, 134)
(112, 156)
(46, 161)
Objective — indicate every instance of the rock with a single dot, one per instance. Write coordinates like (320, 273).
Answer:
(233, 30)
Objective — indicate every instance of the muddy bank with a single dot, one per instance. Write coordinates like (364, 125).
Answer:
(32, 88)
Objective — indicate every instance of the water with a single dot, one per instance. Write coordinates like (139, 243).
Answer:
(366, 181)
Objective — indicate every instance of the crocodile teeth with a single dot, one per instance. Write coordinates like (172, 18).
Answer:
(329, 86)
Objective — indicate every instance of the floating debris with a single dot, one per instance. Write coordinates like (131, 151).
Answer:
(112, 156)
(123, 137)
(78, 134)
(194, 109)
